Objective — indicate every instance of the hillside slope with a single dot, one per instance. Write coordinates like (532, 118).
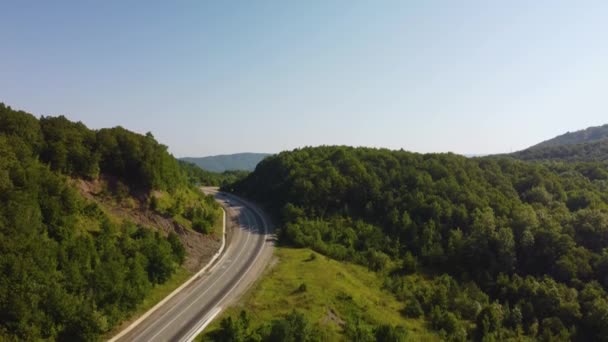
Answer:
(72, 265)
(228, 162)
(591, 134)
(588, 145)
(595, 151)
(512, 250)
(338, 301)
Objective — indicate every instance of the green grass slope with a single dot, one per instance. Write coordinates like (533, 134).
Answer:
(330, 294)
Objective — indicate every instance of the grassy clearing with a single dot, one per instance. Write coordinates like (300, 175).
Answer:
(334, 293)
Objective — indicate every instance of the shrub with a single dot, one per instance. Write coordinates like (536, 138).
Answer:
(389, 333)
(202, 226)
(413, 309)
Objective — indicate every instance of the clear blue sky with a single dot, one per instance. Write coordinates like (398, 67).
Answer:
(265, 76)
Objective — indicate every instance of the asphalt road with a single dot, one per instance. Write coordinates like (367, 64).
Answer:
(249, 249)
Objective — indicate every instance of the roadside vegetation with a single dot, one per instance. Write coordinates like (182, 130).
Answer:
(307, 296)
(189, 207)
(70, 270)
(154, 296)
(487, 249)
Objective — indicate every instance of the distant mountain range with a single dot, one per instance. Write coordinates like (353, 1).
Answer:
(590, 144)
(225, 162)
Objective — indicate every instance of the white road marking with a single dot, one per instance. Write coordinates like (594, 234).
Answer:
(203, 324)
(242, 275)
(180, 288)
(198, 297)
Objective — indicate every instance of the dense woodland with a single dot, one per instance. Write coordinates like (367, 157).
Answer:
(596, 151)
(485, 249)
(588, 145)
(591, 134)
(197, 175)
(67, 271)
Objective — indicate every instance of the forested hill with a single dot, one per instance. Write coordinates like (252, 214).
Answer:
(591, 134)
(503, 248)
(589, 145)
(586, 152)
(70, 271)
(197, 175)
(228, 162)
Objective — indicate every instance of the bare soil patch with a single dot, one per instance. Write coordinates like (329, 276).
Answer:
(200, 248)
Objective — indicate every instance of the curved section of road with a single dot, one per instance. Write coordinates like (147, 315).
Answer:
(250, 248)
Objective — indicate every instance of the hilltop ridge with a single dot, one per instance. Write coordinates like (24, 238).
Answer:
(587, 145)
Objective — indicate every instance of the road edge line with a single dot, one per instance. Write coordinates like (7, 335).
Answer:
(214, 313)
(254, 210)
(176, 291)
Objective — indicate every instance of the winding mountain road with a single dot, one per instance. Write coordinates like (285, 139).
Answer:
(249, 249)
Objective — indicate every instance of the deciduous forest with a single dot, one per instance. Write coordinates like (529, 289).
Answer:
(67, 270)
(486, 249)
